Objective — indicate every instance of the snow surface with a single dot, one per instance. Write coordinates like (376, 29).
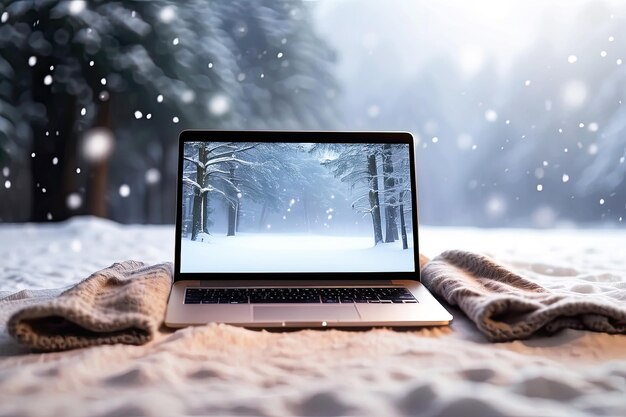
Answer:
(285, 252)
(223, 370)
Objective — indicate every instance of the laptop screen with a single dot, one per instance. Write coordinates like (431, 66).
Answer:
(285, 207)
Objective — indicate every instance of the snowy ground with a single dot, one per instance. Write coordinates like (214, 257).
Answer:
(284, 252)
(223, 370)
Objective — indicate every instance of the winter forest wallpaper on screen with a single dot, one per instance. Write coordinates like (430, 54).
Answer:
(296, 207)
(516, 106)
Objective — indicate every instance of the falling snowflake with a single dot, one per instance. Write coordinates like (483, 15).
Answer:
(97, 144)
(572, 59)
(603, 54)
(495, 206)
(47, 80)
(55, 160)
(74, 201)
(279, 55)
(435, 139)
(167, 14)
(83, 111)
(32, 61)
(103, 81)
(574, 93)
(5, 17)
(527, 83)
(491, 115)
(124, 190)
(539, 187)
(601, 201)
(219, 105)
(593, 127)
(138, 115)
(160, 98)
(153, 176)
(175, 41)
(77, 6)
(7, 184)
(175, 119)
(565, 178)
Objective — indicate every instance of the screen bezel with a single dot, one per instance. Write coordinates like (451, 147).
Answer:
(294, 137)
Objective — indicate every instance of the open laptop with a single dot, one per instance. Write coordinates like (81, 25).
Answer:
(298, 229)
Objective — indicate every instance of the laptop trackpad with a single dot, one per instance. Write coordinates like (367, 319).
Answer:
(305, 313)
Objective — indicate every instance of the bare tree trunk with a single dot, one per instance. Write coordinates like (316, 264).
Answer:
(391, 232)
(405, 244)
(99, 171)
(232, 206)
(374, 199)
(205, 212)
(198, 207)
(196, 223)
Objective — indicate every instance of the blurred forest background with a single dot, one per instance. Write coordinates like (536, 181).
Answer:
(516, 106)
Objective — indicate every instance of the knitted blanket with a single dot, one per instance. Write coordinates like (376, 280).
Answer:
(506, 306)
(126, 302)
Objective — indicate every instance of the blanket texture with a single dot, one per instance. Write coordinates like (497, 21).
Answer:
(124, 303)
(506, 306)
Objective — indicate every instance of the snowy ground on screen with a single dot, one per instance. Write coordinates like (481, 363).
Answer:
(285, 252)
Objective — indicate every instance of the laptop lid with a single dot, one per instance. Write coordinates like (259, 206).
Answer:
(296, 205)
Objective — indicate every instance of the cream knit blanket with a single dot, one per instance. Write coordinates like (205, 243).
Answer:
(124, 303)
(506, 306)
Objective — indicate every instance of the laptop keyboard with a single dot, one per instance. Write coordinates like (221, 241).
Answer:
(384, 295)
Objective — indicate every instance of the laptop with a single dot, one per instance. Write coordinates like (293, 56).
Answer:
(298, 229)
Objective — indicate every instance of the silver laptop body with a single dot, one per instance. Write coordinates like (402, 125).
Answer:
(298, 229)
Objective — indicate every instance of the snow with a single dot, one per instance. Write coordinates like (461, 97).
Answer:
(574, 93)
(74, 201)
(167, 14)
(97, 144)
(219, 104)
(428, 371)
(572, 59)
(286, 252)
(491, 115)
(32, 61)
(77, 6)
(153, 176)
(124, 190)
(47, 80)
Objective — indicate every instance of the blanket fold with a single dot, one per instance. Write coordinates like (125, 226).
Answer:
(506, 306)
(124, 303)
